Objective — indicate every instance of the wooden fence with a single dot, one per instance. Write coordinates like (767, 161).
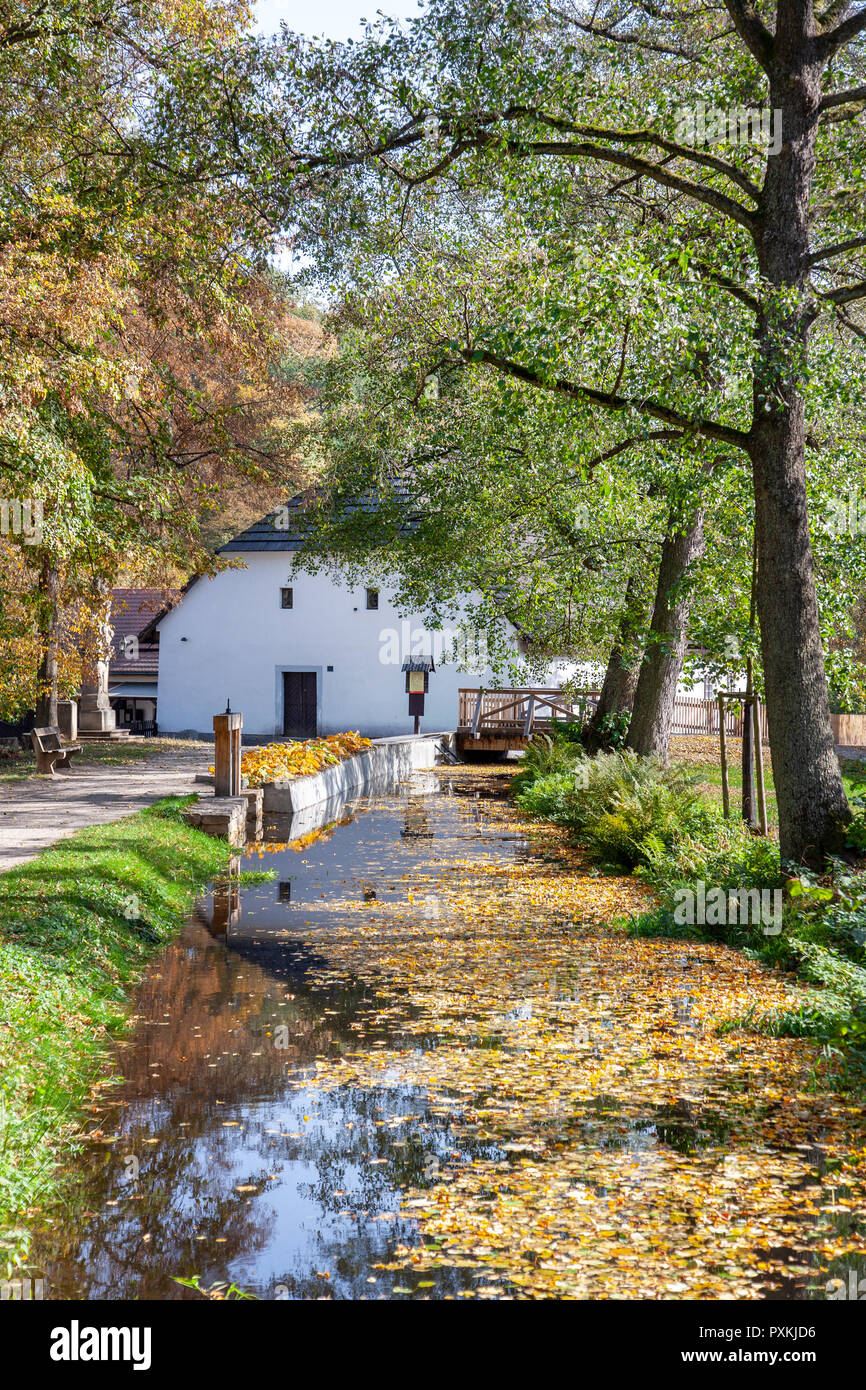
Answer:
(849, 730)
(527, 710)
(694, 716)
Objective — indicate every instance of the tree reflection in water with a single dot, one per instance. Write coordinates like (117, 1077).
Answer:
(224, 1163)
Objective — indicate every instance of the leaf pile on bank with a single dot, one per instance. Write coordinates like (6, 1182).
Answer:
(275, 762)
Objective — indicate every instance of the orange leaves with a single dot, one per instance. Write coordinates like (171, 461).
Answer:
(277, 761)
(613, 1136)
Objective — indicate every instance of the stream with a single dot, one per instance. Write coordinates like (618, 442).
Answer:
(216, 1158)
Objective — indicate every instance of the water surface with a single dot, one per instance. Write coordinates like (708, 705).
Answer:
(216, 1159)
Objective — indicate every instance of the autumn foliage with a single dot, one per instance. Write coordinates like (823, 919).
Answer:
(277, 761)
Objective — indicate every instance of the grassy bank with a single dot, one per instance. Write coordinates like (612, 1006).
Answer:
(77, 926)
(666, 826)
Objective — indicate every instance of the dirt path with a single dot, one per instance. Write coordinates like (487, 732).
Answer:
(36, 812)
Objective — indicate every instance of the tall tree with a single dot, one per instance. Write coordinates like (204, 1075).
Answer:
(143, 331)
(749, 211)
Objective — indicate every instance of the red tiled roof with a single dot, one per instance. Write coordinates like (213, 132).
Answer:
(131, 611)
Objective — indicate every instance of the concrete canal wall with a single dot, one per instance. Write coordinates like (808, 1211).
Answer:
(388, 762)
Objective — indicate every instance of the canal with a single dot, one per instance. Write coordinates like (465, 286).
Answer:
(217, 1158)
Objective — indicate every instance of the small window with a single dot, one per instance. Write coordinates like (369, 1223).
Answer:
(286, 598)
(372, 598)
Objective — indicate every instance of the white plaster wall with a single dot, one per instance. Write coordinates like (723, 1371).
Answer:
(239, 641)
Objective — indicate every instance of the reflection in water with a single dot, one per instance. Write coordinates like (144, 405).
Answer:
(214, 1158)
(226, 900)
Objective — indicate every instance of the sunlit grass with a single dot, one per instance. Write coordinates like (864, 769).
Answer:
(77, 925)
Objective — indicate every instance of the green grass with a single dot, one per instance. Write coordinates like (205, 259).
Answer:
(77, 926)
(853, 778)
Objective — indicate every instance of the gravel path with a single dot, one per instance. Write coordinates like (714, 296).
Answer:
(36, 812)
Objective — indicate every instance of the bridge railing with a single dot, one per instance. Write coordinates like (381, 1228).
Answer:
(526, 710)
(517, 710)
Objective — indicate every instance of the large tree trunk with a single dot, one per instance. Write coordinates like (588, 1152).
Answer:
(653, 713)
(46, 676)
(811, 800)
(620, 678)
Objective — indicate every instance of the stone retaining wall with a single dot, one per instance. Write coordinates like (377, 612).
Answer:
(389, 761)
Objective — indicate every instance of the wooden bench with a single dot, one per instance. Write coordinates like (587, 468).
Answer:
(51, 751)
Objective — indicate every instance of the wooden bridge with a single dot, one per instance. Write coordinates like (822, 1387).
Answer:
(496, 720)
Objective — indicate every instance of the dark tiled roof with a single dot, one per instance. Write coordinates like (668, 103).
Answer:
(281, 529)
(284, 528)
(131, 611)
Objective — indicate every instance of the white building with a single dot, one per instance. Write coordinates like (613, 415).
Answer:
(299, 654)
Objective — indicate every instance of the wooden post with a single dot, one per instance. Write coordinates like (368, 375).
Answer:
(759, 756)
(227, 753)
(748, 789)
(477, 716)
(226, 900)
(723, 743)
(530, 715)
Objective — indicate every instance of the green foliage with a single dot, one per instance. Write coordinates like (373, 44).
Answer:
(855, 835)
(725, 853)
(548, 796)
(846, 680)
(546, 756)
(569, 731)
(79, 923)
(627, 809)
(613, 729)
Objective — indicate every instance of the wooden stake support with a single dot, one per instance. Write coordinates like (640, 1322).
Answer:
(752, 712)
(759, 764)
(723, 742)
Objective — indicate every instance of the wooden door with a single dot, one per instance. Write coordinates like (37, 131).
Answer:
(299, 704)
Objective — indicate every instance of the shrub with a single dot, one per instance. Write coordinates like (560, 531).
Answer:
(612, 731)
(545, 756)
(626, 808)
(567, 731)
(548, 796)
(722, 852)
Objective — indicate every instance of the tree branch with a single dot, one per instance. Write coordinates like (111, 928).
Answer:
(836, 248)
(828, 44)
(710, 429)
(472, 135)
(716, 278)
(846, 295)
(597, 32)
(841, 98)
(698, 192)
(651, 137)
(835, 10)
(752, 30)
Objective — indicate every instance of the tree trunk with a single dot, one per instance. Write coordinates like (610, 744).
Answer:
(811, 799)
(46, 676)
(620, 678)
(653, 713)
